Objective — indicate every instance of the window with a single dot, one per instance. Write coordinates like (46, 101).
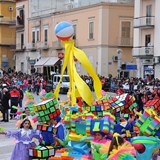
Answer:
(75, 31)
(126, 29)
(22, 41)
(147, 40)
(38, 36)
(46, 35)
(22, 67)
(148, 14)
(33, 36)
(91, 30)
(148, 10)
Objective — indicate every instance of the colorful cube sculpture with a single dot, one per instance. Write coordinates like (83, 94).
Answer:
(41, 151)
(149, 122)
(47, 110)
(155, 104)
(105, 125)
(124, 103)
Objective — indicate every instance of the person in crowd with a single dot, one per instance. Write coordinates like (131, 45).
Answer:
(144, 99)
(5, 103)
(120, 90)
(21, 95)
(14, 96)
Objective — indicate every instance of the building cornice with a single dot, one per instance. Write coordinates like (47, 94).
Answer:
(82, 8)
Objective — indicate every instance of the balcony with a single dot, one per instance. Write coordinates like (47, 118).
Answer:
(124, 42)
(32, 46)
(8, 20)
(57, 45)
(7, 41)
(19, 23)
(43, 45)
(143, 52)
(17, 47)
(144, 22)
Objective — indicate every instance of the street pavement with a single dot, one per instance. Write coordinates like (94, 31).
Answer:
(7, 144)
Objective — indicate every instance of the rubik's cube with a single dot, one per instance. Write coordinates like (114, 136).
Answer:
(149, 122)
(46, 128)
(47, 110)
(123, 103)
(98, 108)
(41, 151)
(154, 104)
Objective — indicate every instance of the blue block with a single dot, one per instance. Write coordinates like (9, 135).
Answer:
(98, 108)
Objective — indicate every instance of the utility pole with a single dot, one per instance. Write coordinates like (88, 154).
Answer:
(119, 62)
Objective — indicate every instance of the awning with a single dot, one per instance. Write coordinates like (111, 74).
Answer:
(51, 61)
(42, 61)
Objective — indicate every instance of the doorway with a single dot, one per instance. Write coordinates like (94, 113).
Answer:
(22, 67)
(147, 39)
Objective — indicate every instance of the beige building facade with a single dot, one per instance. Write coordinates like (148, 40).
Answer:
(100, 30)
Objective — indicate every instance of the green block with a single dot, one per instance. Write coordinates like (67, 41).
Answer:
(52, 109)
(134, 105)
(39, 119)
(100, 113)
(47, 118)
(37, 147)
(41, 113)
(45, 153)
(54, 101)
(43, 119)
(93, 108)
(47, 105)
(117, 102)
(51, 103)
(46, 112)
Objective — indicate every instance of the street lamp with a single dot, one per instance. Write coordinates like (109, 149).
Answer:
(119, 62)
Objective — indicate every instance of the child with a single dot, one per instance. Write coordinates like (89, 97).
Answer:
(24, 138)
(120, 149)
(96, 143)
(59, 128)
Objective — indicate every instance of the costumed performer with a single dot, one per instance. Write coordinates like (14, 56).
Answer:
(121, 149)
(59, 128)
(24, 137)
(99, 139)
(47, 138)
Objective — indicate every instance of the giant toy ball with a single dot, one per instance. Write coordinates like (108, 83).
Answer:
(64, 30)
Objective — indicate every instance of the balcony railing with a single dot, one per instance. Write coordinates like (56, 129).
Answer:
(17, 47)
(143, 51)
(57, 45)
(125, 42)
(144, 22)
(7, 20)
(7, 41)
(43, 45)
(32, 46)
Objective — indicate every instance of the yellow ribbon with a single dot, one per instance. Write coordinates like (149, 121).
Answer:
(76, 82)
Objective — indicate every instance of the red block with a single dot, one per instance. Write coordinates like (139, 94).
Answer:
(51, 116)
(34, 153)
(39, 127)
(55, 114)
(58, 112)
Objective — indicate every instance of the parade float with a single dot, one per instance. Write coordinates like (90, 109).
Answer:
(87, 118)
